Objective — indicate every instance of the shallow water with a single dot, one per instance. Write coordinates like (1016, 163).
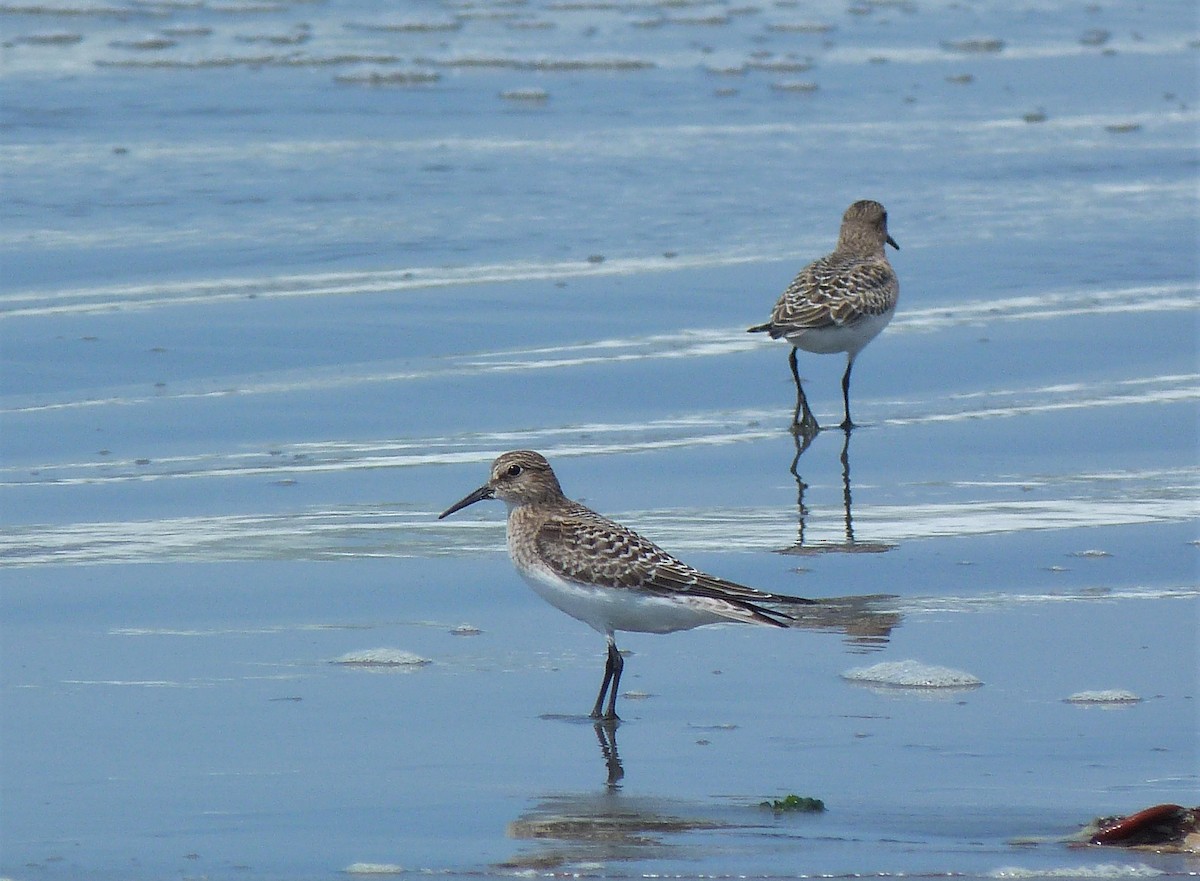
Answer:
(267, 310)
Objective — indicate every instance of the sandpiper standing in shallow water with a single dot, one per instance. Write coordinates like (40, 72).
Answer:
(605, 574)
(838, 303)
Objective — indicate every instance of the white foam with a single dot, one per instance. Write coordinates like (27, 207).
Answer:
(382, 657)
(681, 343)
(139, 683)
(911, 674)
(1101, 870)
(683, 430)
(374, 869)
(999, 600)
(335, 533)
(982, 49)
(1106, 696)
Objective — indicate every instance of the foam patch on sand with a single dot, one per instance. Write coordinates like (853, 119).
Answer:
(374, 869)
(382, 657)
(1102, 870)
(1107, 696)
(911, 674)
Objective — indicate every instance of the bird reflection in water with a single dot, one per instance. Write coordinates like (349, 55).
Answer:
(850, 544)
(603, 826)
(606, 733)
(866, 621)
(607, 826)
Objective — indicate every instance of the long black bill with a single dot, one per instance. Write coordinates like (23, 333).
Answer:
(484, 492)
(892, 242)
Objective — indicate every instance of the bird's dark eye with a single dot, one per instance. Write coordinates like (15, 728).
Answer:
(514, 470)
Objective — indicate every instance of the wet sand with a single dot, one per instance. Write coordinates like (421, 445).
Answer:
(266, 312)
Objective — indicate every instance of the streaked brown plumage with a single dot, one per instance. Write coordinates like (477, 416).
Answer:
(838, 303)
(605, 574)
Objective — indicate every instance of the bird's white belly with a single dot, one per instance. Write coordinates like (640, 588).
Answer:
(849, 338)
(607, 609)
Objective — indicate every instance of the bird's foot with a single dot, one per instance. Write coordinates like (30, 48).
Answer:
(805, 428)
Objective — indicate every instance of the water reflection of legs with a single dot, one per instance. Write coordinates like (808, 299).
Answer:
(606, 733)
(849, 542)
(846, 476)
(803, 442)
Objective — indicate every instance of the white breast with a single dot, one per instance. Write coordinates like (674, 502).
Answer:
(848, 338)
(608, 609)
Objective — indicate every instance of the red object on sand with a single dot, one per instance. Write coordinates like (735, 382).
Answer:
(1124, 828)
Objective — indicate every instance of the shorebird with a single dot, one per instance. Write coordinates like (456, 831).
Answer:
(838, 303)
(605, 574)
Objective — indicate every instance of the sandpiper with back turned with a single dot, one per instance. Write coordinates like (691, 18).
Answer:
(605, 574)
(838, 303)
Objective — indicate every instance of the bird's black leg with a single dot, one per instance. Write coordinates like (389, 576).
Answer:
(847, 424)
(612, 674)
(608, 672)
(618, 663)
(803, 420)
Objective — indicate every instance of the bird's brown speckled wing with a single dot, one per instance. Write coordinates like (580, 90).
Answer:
(835, 290)
(583, 546)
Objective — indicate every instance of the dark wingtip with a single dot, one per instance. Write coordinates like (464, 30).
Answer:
(775, 616)
(759, 328)
(793, 601)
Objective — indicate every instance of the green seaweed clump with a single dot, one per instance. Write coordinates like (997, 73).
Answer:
(794, 803)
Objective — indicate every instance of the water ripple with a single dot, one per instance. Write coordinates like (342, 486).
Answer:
(1096, 500)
